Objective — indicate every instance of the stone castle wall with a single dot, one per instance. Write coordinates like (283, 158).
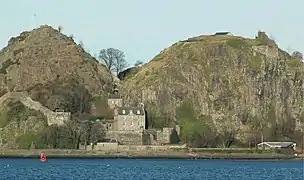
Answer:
(114, 147)
(163, 137)
(147, 139)
(126, 137)
(143, 148)
(58, 118)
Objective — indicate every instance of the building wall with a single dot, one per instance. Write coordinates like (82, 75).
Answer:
(147, 148)
(129, 148)
(131, 122)
(102, 146)
(147, 139)
(59, 117)
(163, 137)
(126, 137)
(106, 146)
(114, 102)
(152, 133)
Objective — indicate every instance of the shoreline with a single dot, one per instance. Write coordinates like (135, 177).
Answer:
(78, 154)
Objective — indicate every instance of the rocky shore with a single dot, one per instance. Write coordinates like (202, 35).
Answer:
(60, 153)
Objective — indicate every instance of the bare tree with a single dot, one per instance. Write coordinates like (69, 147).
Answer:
(97, 132)
(297, 55)
(114, 59)
(85, 135)
(73, 126)
(138, 63)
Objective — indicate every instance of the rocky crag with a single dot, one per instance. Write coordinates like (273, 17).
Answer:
(223, 90)
(41, 71)
(45, 55)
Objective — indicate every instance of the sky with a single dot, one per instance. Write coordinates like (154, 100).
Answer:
(142, 28)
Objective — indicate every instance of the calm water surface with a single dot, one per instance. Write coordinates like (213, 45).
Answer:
(107, 169)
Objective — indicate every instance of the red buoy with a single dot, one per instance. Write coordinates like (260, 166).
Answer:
(43, 157)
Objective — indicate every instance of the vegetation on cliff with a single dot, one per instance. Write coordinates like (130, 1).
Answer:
(18, 122)
(222, 90)
(113, 59)
(56, 72)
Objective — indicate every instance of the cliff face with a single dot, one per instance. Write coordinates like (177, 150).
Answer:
(232, 88)
(52, 70)
(45, 55)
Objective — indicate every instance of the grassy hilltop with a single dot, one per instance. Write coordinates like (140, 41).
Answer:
(223, 90)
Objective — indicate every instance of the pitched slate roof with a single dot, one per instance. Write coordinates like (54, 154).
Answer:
(103, 112)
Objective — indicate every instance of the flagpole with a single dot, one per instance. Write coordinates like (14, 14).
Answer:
(34, 21)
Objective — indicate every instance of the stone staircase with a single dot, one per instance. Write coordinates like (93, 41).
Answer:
(35, 105)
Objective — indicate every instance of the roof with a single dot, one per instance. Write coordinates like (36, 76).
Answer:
(129, 110)
(277, 144)
(108, 140)
(103, 112)
(222, 33)
(114, 96)
(59, 110)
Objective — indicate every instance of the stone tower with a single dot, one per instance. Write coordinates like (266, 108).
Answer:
(114, 99)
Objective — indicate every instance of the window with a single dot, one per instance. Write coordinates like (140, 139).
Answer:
(138, 111)
(123, 112)
(131, 112)
(138, 123)
(123, 123)
(131, 123)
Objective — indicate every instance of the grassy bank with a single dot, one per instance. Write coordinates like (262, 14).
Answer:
(61, 153)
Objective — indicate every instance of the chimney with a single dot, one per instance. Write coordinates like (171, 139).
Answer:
(142, 105)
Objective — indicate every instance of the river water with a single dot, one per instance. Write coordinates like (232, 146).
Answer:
(133, 169)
